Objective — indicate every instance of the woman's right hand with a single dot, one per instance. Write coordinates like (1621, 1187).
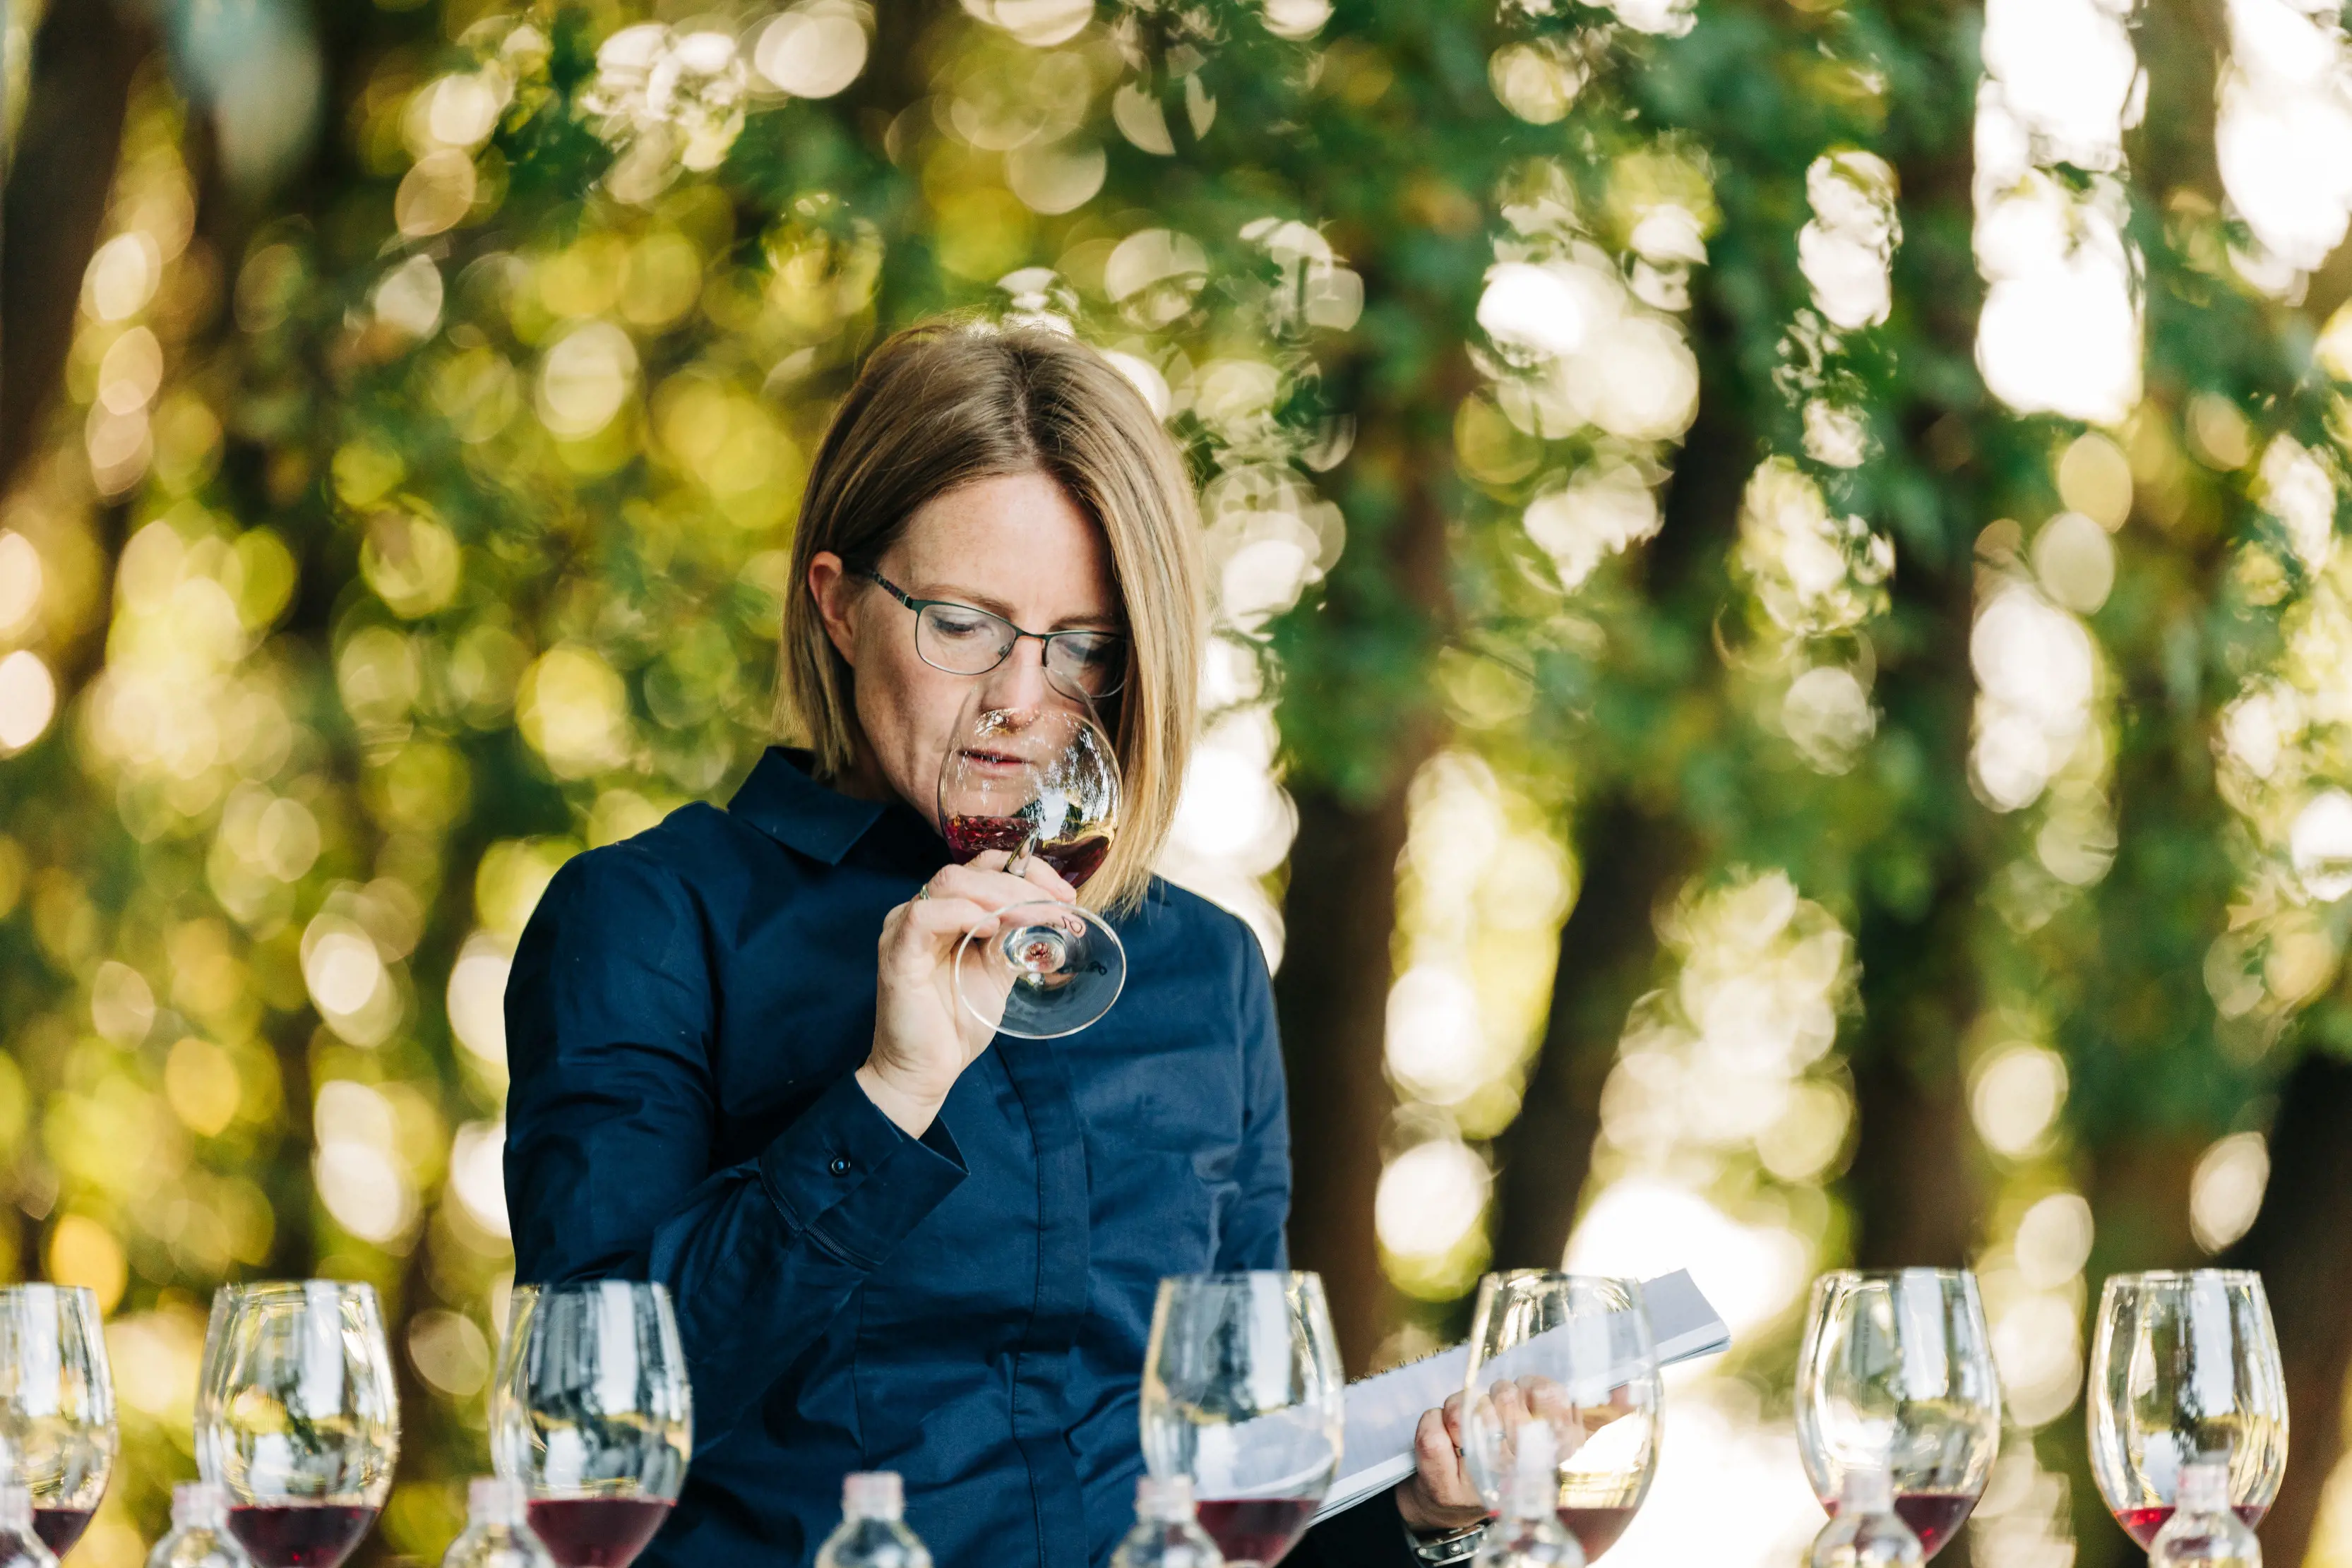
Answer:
(923, 1038)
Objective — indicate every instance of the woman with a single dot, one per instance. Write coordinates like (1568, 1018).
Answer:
(894, 1242)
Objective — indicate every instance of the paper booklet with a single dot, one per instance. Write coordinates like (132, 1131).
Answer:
(1383, 1409)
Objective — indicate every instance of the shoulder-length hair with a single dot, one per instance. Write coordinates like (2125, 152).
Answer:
(950, 401)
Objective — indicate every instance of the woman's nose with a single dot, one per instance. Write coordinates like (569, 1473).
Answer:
(1020, 682)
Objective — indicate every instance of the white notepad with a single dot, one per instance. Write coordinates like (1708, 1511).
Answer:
(1384, 1409)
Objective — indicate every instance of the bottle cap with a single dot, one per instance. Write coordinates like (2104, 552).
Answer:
(494, 1499)
(1163, 1497)
(199, 1505)
(873, 1494)
(16, 1508)
(2205, 1485)
(1868, 1488)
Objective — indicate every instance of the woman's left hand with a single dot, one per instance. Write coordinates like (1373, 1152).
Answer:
(1439, 1497)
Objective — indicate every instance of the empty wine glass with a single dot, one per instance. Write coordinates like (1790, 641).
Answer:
(592, 1414)
(1573, 1352)
(56, 1405)
(1041, 781)
(297, 1417)
(1242, 1397)
(1896, 1374)
(2184, 1367)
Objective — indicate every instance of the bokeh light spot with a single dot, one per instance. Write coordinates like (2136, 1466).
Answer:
(28, 700)
(2226, 1191)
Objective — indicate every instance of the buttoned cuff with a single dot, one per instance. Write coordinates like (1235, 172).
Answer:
(848, 1176)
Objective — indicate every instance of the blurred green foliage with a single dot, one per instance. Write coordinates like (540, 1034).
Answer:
(414, 522)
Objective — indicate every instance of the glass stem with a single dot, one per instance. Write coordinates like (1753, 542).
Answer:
(1018, 864)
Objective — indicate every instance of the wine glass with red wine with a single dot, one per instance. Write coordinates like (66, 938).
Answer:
(56, 1405)
(1896, 1371)
(591, 1413)
(1243, 1396)
(1041, 781)
(297, 1417)
(2185, 1366)
(1573, 1352)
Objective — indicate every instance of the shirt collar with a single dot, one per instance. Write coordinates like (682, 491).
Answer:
(781, 799)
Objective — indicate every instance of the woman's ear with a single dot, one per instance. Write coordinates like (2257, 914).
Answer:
(830, 584)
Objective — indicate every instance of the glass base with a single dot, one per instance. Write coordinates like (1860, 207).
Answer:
(1051, 970)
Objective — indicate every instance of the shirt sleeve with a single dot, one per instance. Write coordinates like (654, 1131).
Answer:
(1253, 1236)
(610, 1127)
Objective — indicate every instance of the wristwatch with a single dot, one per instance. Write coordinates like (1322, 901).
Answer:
(1454, 1546)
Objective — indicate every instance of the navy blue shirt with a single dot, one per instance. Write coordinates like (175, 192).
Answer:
(686, 1012)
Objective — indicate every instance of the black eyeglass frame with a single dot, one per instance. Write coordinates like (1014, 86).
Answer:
(1120, 640)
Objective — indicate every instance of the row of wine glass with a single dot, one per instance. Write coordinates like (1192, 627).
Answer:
(1897, 1370)
(297, 1420)
(1242, 1397)
(297, 1416)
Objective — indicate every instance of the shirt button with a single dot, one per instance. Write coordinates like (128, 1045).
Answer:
(839, 1165)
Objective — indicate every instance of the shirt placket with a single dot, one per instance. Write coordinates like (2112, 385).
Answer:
(1042, 1366)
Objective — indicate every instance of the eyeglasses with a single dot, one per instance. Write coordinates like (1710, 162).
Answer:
(967, 641)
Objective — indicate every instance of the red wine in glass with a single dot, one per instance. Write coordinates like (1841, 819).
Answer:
(1597, 1528)
(59, 1528)
(596, 1532)
(1257, 1529)
(1933, 1516)
(2142, 1523)
(1074, 859)
(300, 1534)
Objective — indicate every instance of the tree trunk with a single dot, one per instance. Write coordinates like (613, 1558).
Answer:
(1913, 1182)
(1607, 950)
(2299, 1244)
(1631, 858)
(61, 176)
(1332, 998)
(1344, 677)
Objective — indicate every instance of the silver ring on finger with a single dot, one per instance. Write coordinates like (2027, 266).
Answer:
(922, 892)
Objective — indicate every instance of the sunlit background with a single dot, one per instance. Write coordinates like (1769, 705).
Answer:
(1792, 545)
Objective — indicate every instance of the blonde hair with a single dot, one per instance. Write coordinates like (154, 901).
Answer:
(953, 401)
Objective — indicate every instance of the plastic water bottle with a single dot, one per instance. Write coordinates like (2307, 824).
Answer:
(199, 1536)
(1867, 1533)
(2204, 1529)
(873, 1533)
(1167, 1532)
(496, 1533)
(1530, 1533)
(19, 1547)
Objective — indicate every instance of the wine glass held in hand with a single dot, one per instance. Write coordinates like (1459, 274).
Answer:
(1043, 781)
(296, 1418)
(591, 1415)
(56, 1405)
(1242, 1397)
(2184, 1367)
(1896, 1372)
(1570, 1353)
